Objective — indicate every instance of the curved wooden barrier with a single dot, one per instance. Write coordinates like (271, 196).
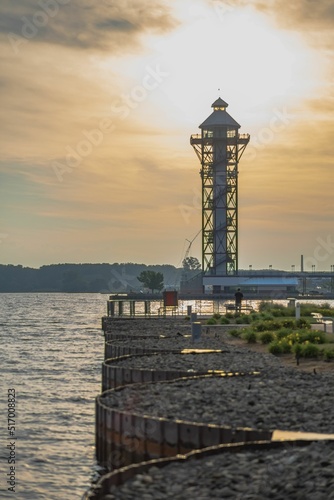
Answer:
(110, 336)
(112, 350)
(114, 376)
(125, 437)
(123, 474)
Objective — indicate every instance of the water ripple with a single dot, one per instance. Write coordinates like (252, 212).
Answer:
(53, 357)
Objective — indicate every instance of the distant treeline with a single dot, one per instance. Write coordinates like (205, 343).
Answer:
(82, 277)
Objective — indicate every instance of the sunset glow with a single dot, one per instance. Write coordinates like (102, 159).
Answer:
(98, 106)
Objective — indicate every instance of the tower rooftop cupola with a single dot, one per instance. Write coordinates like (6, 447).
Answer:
(219, 117)
(219, 104)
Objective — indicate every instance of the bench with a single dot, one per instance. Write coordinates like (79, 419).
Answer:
(233, 307)
(323, 320)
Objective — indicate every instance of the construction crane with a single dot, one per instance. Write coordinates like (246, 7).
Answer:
(184, 274)
(186, 255)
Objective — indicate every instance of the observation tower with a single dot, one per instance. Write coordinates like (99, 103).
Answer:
(219, 148)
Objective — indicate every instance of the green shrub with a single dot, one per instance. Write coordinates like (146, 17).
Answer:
(254, 317)
(328, 354)
(275, 348)
(217, 316)
(324, 309)
(274, 325)
(224, 321)
(242, 320)
(283, 332)
(294, 338)
(310, 350)
(230, 315)
(260, 326)
(267, 337)
(211, 321)
(279, 311)
(250, 336)
(326, 305)
(297, 349)
(314, 336)
(286, 346)
(235, 332)
(187, 318)
(264, 306)
(267, 316)
(275, 310)
(288, 323)
(326, 312)
(303, 323)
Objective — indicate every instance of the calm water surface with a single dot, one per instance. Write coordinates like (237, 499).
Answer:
(51, 354)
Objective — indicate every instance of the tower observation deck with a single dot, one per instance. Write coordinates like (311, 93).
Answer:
(219, 148)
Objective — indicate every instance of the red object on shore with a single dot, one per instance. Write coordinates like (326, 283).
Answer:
(170, 298)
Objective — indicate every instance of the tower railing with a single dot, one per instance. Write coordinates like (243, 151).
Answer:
(198, 139)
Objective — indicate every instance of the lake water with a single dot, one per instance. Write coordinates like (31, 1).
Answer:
(51, 354)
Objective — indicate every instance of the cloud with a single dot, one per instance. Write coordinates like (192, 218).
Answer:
(305, 13)
(301, 15)
(113, 26)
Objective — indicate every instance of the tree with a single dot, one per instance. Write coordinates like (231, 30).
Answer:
(191, 264)
(152, 280)
(73, 282)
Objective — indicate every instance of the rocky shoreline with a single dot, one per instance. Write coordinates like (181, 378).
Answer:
(291, 473)
(276, 399)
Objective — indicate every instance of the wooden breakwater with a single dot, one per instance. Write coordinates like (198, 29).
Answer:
(128, 442)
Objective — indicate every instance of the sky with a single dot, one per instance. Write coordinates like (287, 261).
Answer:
(99, 100)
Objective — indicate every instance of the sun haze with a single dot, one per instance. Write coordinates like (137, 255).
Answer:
(99, 102)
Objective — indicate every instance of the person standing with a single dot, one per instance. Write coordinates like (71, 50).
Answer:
(238, 300)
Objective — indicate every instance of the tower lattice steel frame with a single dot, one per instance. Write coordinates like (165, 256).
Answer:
(219, 148)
